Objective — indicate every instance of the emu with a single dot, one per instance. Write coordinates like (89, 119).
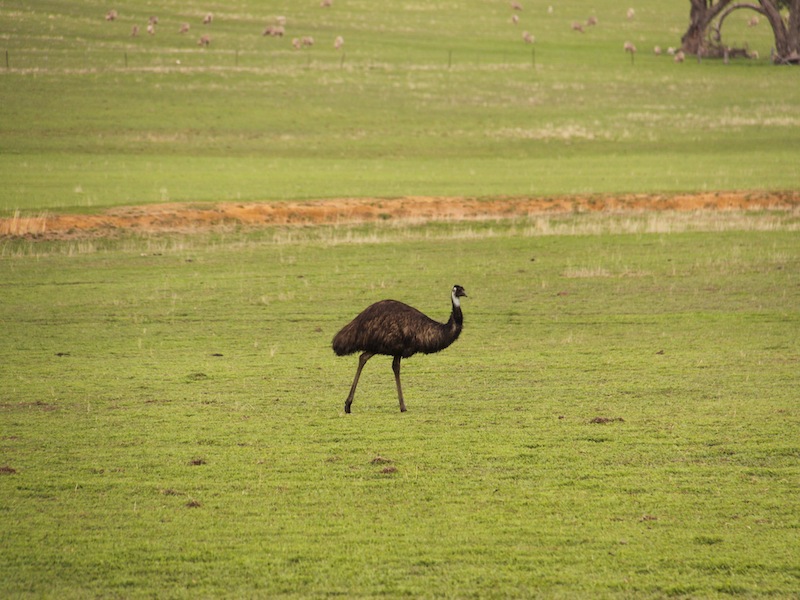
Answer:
(398, 330)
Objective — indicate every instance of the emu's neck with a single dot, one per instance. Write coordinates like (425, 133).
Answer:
(442, 335)
(456, 317)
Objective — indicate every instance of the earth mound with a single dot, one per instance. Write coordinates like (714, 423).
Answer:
(199, 217)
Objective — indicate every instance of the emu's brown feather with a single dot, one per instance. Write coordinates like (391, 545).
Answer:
(393, 328)
(397, 329)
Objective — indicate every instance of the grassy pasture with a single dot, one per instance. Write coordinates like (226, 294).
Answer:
(171, 417)
(430, 98)
(618, 419)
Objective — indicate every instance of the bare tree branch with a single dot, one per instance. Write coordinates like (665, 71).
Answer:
(732, 8)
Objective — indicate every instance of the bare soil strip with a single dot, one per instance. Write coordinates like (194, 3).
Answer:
(200, 217)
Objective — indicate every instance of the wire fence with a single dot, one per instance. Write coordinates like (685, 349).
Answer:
(25, 60)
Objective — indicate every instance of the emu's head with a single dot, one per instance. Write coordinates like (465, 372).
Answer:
(458, 292)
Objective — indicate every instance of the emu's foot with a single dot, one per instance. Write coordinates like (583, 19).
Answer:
(347, 408)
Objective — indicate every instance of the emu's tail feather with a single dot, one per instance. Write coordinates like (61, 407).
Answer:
(344, 342)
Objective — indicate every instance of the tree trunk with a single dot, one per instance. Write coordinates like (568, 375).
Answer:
(794, 25)
(775, 19)
(793, 32)
(702, 14)
(785, 31)
(790, 27)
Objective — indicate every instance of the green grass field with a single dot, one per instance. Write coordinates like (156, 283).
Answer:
(619, 418)
(433, 98)
(172, 419)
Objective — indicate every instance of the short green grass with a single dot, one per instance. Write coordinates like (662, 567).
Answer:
(428, 98)
(619, 418)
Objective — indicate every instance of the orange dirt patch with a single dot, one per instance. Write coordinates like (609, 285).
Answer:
(189, 217)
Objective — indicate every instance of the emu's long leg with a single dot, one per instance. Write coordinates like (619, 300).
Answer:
(396, 369)
(362, 360)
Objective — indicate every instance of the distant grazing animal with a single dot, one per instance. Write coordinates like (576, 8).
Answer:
(338, 42)
(111, 15)
(184, 28)
(274, 31)
(527, 37)
(204, 41)
(151, 29)
(591, 21)
(326, 3)
(134, 31)
(207, 19)
(395, 329)
(577, 27)
(516, 6)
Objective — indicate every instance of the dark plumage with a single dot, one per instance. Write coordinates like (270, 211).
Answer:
(398, 330)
